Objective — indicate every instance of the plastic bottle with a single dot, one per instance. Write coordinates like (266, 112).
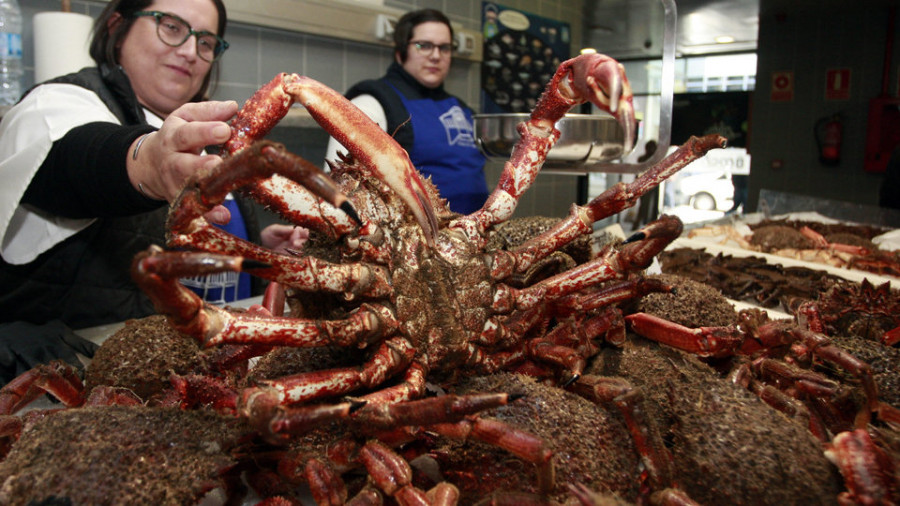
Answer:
(10, 52)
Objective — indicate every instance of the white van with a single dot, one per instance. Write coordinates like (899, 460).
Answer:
(706, 183)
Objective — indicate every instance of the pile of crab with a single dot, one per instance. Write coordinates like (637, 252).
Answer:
(434, 358)
(843, 307)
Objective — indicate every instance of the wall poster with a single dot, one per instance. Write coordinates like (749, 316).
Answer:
(521, 53)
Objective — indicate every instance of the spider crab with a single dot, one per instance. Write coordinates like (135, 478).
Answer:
(801, 373)
(864, 310)
(416, 284)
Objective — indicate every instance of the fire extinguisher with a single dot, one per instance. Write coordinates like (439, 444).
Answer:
(828, 136)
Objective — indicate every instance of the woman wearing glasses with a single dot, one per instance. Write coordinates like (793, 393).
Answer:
(410, 102)
(89, 161)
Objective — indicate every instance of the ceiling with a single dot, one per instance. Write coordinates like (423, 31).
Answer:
(634, 28)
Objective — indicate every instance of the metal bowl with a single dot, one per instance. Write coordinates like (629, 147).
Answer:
(585, 138)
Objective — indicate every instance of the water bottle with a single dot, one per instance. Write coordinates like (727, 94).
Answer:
(10, 52)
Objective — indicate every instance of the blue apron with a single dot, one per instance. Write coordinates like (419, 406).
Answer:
(444, 149)
(225, 286)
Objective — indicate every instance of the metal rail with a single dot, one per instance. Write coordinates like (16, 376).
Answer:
(667, 90)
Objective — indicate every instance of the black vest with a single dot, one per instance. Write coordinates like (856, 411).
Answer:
(385, 89)
(85, 281)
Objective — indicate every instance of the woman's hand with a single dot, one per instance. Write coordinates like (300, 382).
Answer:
(279, 238)
(166, 158)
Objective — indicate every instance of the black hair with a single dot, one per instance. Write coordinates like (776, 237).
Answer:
(105, 43)
(403, 32)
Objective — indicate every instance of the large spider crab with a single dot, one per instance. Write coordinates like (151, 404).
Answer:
(864, 310)
(419, 288)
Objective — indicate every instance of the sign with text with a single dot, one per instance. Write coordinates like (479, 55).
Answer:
(782, 86)
(837, 84)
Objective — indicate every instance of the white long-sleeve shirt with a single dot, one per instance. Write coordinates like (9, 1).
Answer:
(27, 132)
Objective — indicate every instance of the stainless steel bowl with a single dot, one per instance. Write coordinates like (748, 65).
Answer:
(586, 138)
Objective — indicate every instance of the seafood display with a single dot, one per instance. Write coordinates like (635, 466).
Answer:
(815, 381)
(835, 244)
(829, 303)
(412, 355)
(750, 279)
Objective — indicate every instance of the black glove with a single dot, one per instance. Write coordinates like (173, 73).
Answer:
(24, 345)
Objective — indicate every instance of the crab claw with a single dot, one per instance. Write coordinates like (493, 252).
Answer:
(867, 469)
(157, 273)
(368, 144)
(601, 80)
(594, 78)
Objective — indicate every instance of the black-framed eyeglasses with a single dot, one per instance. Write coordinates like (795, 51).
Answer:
(174, 31)
(425, 48)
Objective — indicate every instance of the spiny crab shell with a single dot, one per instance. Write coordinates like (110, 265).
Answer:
(412, 283)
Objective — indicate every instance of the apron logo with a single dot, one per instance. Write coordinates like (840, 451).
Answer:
(459, 131)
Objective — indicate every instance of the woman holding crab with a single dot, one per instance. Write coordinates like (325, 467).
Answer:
(90, 160)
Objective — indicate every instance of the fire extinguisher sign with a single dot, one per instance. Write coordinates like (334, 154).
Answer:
(837, 84)
(782, 86)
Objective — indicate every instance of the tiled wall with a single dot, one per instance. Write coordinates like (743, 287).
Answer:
(808, 43)
(257, 54)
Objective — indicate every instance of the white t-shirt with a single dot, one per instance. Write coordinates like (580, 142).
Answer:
(372, 108)
(27, 132)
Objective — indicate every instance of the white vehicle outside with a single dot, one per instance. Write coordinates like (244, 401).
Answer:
(709, 191)
(706, 183)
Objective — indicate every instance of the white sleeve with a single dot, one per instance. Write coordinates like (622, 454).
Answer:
(373, 109)
(27, 132)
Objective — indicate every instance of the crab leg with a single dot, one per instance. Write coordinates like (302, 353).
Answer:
(580, 303)
(727, 341)
(498, 433)
(571, 341)
(268, 412)
(391, 473)
(582, 332)
(390, 358)
(781, 401)
(157, 273)
(821, 346)
(823, 243)
(609, 320)
(57, 378)
(261, 161)
(591, 77)
(189, 229)
(644, 430)
(702, 341)
(612, 265)
(614, 200)
(365, 140)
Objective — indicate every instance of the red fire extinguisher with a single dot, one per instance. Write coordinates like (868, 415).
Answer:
(828, 136)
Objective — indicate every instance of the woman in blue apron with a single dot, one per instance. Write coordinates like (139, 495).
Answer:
(433, 126)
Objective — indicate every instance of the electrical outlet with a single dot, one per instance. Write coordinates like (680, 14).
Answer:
(384, 27)
(465, 43)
